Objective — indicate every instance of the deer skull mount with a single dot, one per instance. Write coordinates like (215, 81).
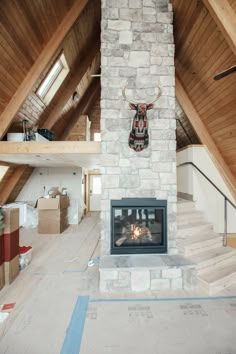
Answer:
(139, 137)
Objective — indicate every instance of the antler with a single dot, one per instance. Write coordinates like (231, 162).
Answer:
(158, 95)
(124, 96)
(133, 102)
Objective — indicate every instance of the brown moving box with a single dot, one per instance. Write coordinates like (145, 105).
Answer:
(2, 276)
(1, 247)
(52, 215)
(11, 244)
(11, 270)
(11, 220)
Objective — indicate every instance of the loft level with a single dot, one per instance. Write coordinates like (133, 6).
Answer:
(54, 153)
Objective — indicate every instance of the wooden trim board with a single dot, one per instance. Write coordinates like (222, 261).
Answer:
(224, 17)
(52, 147)
(12, 182)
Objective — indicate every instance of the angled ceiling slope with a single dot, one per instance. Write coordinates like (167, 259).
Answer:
(32, 44)
(205, 46)
(28, 48)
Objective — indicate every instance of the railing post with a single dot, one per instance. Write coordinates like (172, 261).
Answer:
(225, 226)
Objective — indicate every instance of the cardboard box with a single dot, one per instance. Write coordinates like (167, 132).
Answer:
(11, 270)
(52, 221)
(53, 215)
(60, 202)
(2, 276)
(11, 219)
(22, 206)
(1, 247)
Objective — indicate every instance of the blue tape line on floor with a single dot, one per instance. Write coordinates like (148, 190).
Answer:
(167, 299)
(74, 333)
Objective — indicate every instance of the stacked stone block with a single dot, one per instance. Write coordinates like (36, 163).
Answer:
(161, 278)
(137, 50)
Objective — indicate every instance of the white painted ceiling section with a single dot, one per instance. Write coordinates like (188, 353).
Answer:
(52, 154)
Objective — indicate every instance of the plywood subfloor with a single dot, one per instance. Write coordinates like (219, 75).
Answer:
(59, 309)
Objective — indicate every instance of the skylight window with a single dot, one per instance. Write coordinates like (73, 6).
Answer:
(53, 80)
(3, 170)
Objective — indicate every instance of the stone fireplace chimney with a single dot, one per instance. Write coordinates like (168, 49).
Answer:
(137, 49)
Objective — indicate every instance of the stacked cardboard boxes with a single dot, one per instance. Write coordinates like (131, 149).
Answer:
(2, 276)
(11, 244)
(52, 213)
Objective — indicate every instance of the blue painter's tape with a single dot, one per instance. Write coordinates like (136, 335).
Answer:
(74, 333)
(167, 299)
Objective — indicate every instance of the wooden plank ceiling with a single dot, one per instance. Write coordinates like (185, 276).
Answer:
(32, 35)
(25, 28)
(185, 133)
(13, 181)
(21, 43)
(202, 51)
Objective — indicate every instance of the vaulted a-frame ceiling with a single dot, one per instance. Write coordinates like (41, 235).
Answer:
(33, 33)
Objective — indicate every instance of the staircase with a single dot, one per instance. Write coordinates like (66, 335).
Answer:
(196, 240)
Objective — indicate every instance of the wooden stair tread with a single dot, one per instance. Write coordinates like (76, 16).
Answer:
(219, 273)
(187, 241)
(212, 254)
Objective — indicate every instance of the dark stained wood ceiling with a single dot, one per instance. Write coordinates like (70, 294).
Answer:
(202, 51)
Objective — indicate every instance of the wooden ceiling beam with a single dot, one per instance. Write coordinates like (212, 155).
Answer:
(12, 182)
(68, 87)
(46, 148)
(205, 137)
(83, 107)
(39, 66)
(225, 18)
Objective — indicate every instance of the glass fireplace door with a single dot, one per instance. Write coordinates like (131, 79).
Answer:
(138, 228)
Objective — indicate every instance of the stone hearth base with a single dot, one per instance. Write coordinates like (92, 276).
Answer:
(146, 273)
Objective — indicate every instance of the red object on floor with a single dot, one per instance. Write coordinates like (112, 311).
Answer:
(24, 249)
(8, 306)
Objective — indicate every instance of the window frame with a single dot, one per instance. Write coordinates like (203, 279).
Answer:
(55, 82)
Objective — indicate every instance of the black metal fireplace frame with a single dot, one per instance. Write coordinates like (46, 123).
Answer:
(140, 203)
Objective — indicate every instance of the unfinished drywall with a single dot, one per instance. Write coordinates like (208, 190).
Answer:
(42, 179)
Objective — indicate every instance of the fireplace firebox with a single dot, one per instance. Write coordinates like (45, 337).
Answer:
(138, 226)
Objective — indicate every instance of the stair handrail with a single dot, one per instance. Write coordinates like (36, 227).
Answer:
(226, 199)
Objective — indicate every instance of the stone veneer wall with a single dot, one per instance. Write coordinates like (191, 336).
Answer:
(137, 47)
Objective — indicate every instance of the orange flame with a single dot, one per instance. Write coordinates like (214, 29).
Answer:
(136, 232)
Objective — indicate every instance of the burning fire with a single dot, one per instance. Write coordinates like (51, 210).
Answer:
(137, 232)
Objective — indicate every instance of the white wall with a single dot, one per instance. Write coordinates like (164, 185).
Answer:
(42, 179)
(207, 198)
